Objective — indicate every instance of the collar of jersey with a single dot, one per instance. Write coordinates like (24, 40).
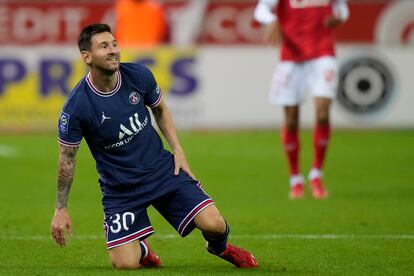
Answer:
(104, 94)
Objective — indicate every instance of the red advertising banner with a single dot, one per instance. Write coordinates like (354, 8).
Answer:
(222, 22)
(48, 23)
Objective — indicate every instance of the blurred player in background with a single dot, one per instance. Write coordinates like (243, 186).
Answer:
(140, 22)
(305, 29)
(147, 23)
(108, 108)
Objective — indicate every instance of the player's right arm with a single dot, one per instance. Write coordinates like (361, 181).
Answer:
(340, 14)
(66, 168)
(263, 14)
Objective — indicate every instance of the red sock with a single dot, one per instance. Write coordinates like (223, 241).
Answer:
(321, 136)
(290, 142)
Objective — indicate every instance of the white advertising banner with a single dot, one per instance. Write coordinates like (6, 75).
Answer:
(375, 91)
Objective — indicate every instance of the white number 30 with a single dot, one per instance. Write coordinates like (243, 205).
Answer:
(116, 222)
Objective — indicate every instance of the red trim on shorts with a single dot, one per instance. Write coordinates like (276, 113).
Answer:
(134, 236)
(183, 225)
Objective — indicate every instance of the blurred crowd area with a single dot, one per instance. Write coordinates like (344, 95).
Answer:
(181, 22)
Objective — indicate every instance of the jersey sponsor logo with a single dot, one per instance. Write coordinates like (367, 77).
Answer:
(135, 124)
(126, 134)
(64, 122)
(134, 97)
(301, 4)
(104, 117)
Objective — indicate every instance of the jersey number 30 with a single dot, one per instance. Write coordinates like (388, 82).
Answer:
(121, 222)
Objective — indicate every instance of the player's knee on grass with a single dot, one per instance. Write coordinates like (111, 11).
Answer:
(123, 264)
(126, 256)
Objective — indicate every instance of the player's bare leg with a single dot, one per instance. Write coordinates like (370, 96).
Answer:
(321, 137)
(126, 256)
(215, 230)
(290, 140)
(131, 256)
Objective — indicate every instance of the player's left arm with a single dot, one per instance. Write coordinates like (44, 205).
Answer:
(340, 14)
(165, 122)
(263, 14)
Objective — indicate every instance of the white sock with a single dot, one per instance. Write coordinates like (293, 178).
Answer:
(295, 179)
(314, 173)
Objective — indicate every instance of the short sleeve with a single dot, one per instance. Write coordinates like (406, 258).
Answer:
(263, 11)
(70, 133)
(153, 95)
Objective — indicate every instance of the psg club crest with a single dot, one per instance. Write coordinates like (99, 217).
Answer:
(134, 97)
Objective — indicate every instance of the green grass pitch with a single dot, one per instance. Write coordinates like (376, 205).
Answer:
(365, 227)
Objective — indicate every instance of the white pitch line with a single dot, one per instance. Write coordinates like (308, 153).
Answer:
(246, 236)
(8, 151)
(329, 236)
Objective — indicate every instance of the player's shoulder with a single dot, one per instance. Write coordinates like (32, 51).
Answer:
(134, 69)
(138, 74)
(76, 97)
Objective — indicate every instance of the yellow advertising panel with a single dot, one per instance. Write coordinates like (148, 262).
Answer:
(34, 84)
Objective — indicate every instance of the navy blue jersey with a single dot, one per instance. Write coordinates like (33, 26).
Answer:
(117, 126)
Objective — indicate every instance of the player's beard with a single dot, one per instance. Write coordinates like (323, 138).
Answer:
(109, 65)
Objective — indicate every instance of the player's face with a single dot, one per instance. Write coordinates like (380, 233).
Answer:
(104, 53)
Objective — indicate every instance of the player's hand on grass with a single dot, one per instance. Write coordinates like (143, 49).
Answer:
(180, 162)
(60, 224)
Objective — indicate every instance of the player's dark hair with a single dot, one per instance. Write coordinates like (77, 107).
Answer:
(84, 42)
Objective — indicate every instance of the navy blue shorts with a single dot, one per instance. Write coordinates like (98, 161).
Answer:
(178, 206)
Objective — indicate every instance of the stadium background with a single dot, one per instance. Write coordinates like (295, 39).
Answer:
(39, 64)
(218, 84)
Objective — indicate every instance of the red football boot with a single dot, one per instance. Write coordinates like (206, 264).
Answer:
(151, 260)
(318, 190)
(237, 256)
(296, 186)
(296, 191)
